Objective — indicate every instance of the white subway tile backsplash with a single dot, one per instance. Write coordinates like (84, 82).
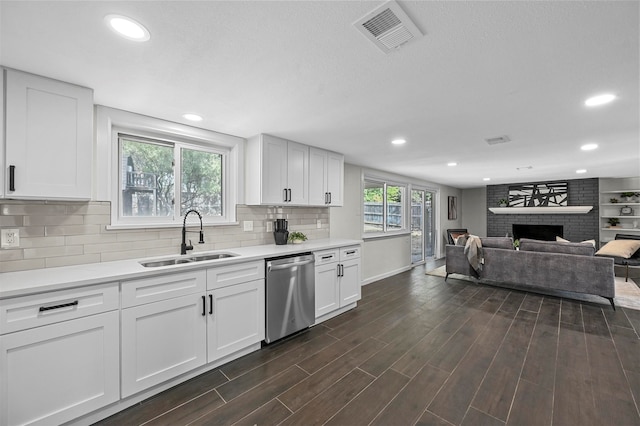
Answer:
(62, 234)
(21, 265)
(53, 220)
(53, 262)
(44, 252)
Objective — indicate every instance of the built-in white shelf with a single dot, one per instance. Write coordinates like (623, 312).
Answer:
(621, 229)
(622, 217)
(541, 210)
(621, 204)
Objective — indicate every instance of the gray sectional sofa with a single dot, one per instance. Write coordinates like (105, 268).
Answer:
(538, 264)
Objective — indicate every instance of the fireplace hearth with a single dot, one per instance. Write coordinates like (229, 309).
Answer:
(537, 232)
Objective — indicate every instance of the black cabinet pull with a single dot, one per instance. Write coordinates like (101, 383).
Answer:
(64, 305)
(329, 198)
(329, 256)
(12, 178)
(204, 306)
(351, 252)
(289, 191)
(285, 195)
(211, 304)
(326, 198)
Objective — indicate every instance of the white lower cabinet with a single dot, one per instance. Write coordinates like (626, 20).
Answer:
(172, 324)
(327, 287)
(162, 340)
(337, 279)
(60, 371)
(235, 318)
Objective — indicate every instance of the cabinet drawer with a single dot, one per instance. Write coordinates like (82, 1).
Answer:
(154, 289)
(352, 252)
(326, 256)
(224, 276)
(36, 310)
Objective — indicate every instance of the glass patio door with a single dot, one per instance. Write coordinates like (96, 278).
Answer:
(422, 225)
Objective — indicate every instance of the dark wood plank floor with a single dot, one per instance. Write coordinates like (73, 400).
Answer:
(419, 351)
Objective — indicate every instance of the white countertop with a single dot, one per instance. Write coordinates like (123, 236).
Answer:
(14, 284)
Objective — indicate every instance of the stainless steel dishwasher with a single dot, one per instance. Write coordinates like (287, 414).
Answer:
(290, 295)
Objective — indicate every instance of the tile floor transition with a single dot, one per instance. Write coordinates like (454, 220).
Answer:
(419, 351)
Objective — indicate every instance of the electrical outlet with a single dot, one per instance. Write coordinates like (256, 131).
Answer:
(10, 238)
(269, 226)
(318, 224)
(248, 225)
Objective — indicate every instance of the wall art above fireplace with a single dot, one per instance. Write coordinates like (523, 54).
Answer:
(539, 195)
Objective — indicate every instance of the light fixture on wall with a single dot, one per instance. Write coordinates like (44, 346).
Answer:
(398, 141)
(127, 28)
(452, 164)
(581, 171)
(589, 146)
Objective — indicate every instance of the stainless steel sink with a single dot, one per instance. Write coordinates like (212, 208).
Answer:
(180, 260)
(165, 262)
(213, 256)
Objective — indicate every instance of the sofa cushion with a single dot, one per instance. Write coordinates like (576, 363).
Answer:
(620, 248)
(497, 242)
(584, 249)
(562, 240)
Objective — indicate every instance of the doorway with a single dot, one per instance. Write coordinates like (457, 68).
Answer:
(422, 225)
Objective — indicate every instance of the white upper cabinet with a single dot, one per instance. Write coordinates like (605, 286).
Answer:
(277, 171)
(281, 172)
(326, 177)
(48, 138)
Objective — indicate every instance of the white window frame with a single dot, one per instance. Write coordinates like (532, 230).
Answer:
(385, 232)
(112, 122)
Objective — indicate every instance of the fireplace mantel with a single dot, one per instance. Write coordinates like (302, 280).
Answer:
(541, 210)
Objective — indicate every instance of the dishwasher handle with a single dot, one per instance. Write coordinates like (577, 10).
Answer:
(288, 265)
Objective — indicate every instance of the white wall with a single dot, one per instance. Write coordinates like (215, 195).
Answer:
(474, 210)
(386, 256)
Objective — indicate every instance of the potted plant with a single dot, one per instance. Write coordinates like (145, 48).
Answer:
(516, 244)
(297, 237)
(613, 200)
(502, 202)
(628, 195)
(613, 222)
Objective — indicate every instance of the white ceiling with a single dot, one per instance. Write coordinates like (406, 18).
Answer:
(300, 70)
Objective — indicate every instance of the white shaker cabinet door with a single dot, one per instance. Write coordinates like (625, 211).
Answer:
(274, 170)
(298, 173)
(55, 373)
(235, 318)
(335, 178)
(162, 340)
(327, 289)
(350, 286)
(49, 138)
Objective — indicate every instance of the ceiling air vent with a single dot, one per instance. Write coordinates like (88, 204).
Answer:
(497, 140)
(388, 27)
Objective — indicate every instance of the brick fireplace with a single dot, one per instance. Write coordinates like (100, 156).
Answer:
(576, 227)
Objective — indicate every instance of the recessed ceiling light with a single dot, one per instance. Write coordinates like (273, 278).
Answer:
(192, 117)
(398, 141)
(486, 179)
(580, 171)
(600, 99)
(127, 28)
(452, 164)
(589, 147)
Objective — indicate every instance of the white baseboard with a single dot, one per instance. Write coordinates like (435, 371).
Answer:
(386, 274)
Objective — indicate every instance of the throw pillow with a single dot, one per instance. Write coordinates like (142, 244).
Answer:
(619, 248)
(562, 240)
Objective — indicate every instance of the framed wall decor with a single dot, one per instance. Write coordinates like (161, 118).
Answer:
(539, 195)
(453, 207)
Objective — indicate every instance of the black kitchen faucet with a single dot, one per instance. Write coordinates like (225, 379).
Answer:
(184, 247)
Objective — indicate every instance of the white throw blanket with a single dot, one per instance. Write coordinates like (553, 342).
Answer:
(473, 251)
